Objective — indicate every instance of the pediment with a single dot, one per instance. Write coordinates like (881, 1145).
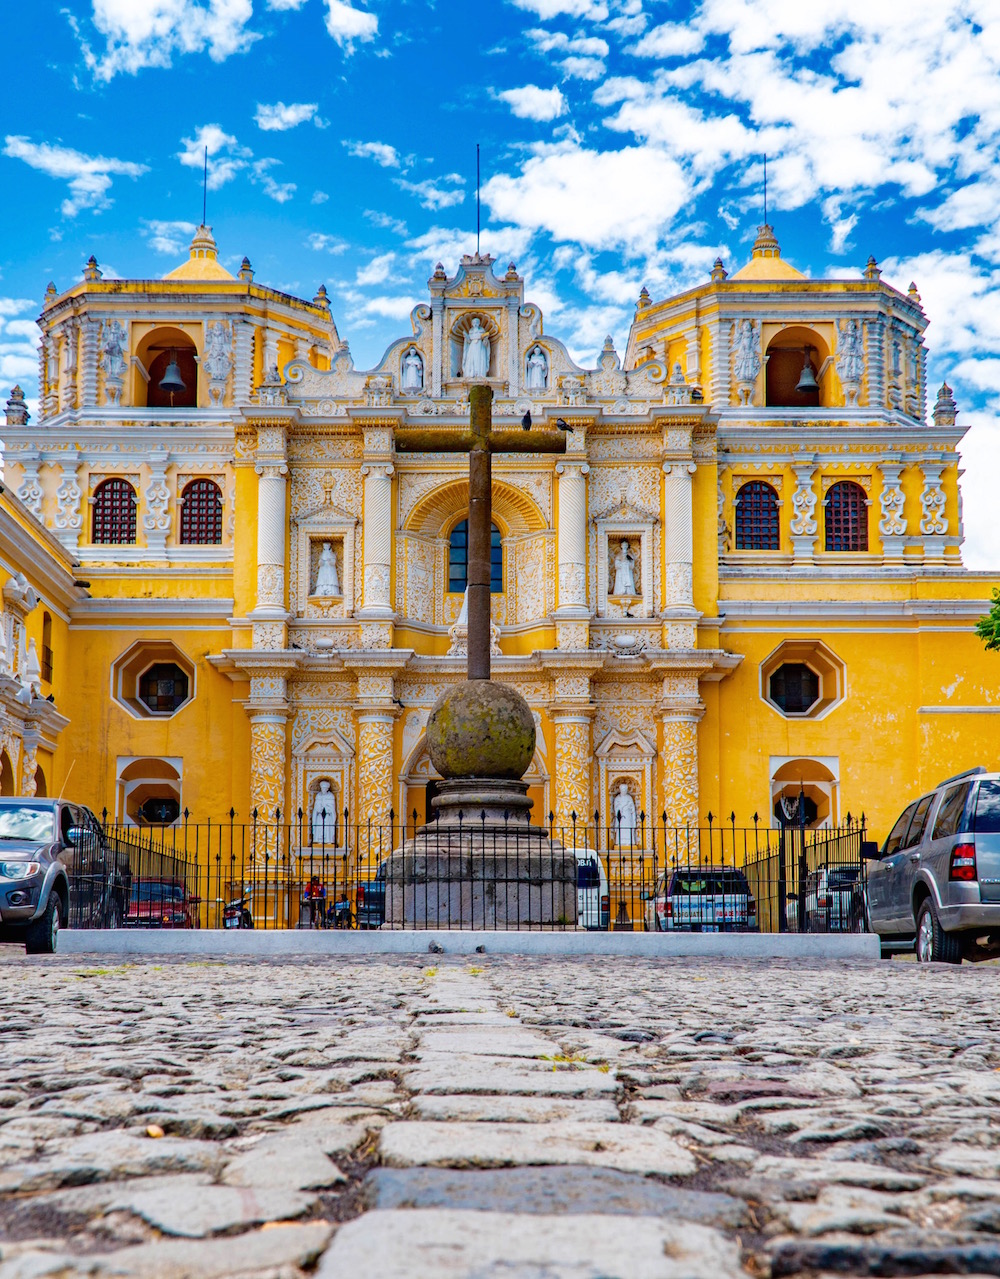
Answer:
(619, 743)
(324, 516)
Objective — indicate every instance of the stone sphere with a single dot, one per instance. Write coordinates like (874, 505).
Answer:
(481, 729)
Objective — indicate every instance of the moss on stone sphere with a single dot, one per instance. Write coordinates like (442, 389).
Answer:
(481, 729)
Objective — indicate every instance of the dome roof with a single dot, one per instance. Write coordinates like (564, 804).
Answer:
(203, 263)
(766, 262)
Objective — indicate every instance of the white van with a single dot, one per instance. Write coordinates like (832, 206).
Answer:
(593, 900)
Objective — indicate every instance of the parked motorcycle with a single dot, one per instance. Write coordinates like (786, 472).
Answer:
(340, 914)
(237, 913)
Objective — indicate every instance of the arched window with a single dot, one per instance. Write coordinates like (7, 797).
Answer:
(201, 514)
(757, 517)
(114, 513)
(458, 559)
(47, 647)
(846, 517)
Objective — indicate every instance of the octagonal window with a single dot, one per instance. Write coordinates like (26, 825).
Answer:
(163, 688)
(153, 678)
(794, 688)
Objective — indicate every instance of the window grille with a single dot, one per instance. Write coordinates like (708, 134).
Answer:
(846, 517)
(757, 517)
(114, 513)
(794, 687)
(458, 559)
(163, 687)
(201, 514)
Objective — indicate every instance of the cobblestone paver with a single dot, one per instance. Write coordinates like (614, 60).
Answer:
(584, 1119)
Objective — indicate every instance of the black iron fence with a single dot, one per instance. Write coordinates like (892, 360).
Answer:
(653, 877)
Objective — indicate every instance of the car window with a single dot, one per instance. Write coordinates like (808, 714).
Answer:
(699, 885)
(988, 808)
(587, 875)
(949, 817)
(919, 820)
(898, 831)
(27, 823)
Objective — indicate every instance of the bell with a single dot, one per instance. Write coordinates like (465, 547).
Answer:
(172, 380)
(807, 378)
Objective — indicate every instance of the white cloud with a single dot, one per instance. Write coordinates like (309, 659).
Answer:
(381, 152)
(281, 116)
(169, 237)
(319, 197)
(279, 191)
(225, 155)
(671, 40)
(558, 41)
(447, 245)
(390, 308)
(18, 346)
(323, 243)
(386, 221)
(347, 24)
(595, 10)
(436, 193)
(147, 33)
(285, 4)
(377, 270)
(609, 199)
(89, 176)
(582, 68)
(532, 103)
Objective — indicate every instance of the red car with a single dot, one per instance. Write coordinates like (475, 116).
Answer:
(160, 903)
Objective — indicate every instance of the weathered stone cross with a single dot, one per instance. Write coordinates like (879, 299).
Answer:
(480, 442)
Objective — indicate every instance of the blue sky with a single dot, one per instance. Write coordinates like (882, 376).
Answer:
(621, 144)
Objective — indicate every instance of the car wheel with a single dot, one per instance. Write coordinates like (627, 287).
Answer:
(42, 936)
(934, 945)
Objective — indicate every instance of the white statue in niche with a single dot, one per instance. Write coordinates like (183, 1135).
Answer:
(413, 370)
(746, 364)
(625, 824)
(323, 825)
(624, 566)
(327, 582)
(537, 370)
(476, 351)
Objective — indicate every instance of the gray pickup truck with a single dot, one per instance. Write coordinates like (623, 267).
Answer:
(934, 886)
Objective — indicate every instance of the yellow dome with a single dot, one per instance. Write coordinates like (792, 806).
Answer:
(766, 262)
(203, 264)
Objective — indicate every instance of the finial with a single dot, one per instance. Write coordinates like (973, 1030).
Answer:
(945, 410)
(766, 244)
(719, 272)
(872, 271)
(643, 299)
(321, 298)
(50, 293)
(439, 272)
(17, 410)
(203, 244)
(913, 294)
(246, 271)
(511, 272)
(92, 271)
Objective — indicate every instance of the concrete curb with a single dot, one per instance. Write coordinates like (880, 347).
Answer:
(306, 944)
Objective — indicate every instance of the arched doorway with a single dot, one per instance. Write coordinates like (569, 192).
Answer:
(41, 786)
(817, 780)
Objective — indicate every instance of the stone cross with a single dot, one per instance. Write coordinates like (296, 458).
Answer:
(480, 442)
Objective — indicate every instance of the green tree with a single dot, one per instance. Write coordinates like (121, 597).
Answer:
(988, 627)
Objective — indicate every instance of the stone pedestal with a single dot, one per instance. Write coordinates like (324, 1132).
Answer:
(481, 875)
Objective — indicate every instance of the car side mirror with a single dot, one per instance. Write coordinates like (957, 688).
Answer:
(870, 851)
(75, 835)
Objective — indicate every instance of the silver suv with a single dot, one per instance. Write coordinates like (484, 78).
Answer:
(934, 886)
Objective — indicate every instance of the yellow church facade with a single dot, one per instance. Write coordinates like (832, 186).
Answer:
(743, 577)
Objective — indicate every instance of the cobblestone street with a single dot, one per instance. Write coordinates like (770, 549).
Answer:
(541, 1118)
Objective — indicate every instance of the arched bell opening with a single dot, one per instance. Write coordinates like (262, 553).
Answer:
(798, 369)
(166, 372)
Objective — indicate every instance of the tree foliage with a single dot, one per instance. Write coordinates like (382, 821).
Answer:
(988, 627)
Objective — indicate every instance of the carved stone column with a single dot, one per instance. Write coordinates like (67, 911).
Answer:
(571, 712)
(933, 504)
(68, 522)
(156, 520)
(721, 350)
(270, 352)
(30, 738)
(804, 526)
(268, 712)
(270, 615)
(376, 710)
(30, 488)
(243, 361)
(376, 613)
(892, 525)
(679, 614)
(875, 363)
(572, 615)
(67, 397)
(88, 360)
(681, 709)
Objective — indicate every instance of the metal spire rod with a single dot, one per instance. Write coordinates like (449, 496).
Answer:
(477, 199)
(204, 192)
(765, 188)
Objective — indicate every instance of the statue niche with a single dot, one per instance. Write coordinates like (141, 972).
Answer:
(474, 348)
